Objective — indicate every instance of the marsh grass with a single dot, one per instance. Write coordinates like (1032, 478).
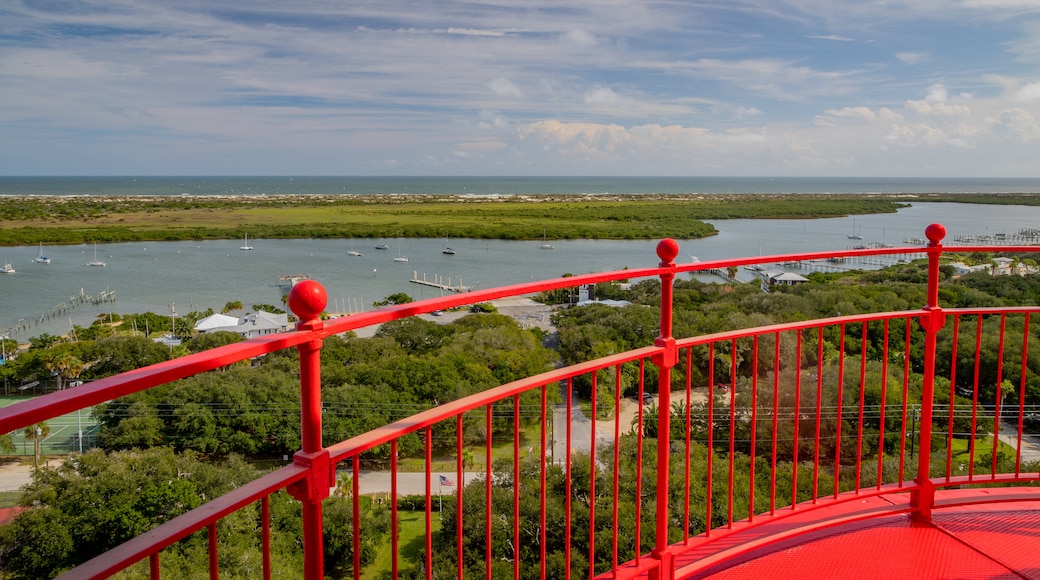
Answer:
(26, 221)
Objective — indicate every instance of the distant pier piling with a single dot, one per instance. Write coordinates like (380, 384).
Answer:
(439, 283)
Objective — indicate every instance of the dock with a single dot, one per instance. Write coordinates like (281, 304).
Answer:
(439, 283)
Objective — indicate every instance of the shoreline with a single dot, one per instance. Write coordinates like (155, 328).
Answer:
(77, 219)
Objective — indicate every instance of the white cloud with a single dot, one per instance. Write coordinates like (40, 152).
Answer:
(600, 95)
(505, 88)
(1018, 124)
(579, 38)
(912, 58)
(1030, 92)
(833, 37)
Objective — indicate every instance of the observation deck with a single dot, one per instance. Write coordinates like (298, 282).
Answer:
(891, 444)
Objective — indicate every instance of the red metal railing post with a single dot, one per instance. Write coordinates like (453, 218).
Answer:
(667, 250)
(922, 498)
(307, 300)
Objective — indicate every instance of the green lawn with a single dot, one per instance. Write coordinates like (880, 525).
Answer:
(411, 540)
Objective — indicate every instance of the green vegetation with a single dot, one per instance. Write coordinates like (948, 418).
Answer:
(204, 425)
(31, 220)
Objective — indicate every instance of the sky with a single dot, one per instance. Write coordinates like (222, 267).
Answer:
(514, 87)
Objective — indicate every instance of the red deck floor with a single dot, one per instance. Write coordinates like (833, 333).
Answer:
(989, 541)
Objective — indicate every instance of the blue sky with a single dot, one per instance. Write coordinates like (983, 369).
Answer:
(514, 87)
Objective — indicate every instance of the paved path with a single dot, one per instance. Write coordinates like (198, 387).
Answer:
(1030, 442)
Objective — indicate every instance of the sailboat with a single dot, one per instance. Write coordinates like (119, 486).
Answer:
(95, 261)
(352, 251)
(545, 245)
(447, 249)
(40, 258)
(854, 235)
(245, 247)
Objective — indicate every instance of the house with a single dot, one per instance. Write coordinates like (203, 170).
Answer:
(787, 279)
(215, 322)
(257, 324)
(251, 325)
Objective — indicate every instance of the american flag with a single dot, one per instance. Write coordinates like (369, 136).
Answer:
(446, 481)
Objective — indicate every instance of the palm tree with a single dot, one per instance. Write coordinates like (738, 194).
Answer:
(64, 366)
(37, 432)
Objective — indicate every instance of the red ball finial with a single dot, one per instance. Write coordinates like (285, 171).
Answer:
(667, 250)
(307, 300)
(935, 233)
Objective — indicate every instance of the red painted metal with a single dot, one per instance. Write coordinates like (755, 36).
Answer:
(686, 455)
(639, 461)
(881, 414)
(998, 396)
(667, 250)
(592, 477)
(516, 487)
(819, 417)
(754, 421)
(975, 399)
(153, 566)
(567, 481)
(458, 497)
(214, 571)
(428, 444)
(954, 339)
(487, 492)
(616, 476)
(265, 537)
(797, 420)
(312, 473)
(1021, 396)
(356, 520)
(710, 467)
(392, 500)
(840, 404)
(542, 469)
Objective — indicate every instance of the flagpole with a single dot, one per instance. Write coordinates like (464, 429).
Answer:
(440, 498)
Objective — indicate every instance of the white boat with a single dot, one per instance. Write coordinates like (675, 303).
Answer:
(95, 261)
(352, 251)
(245, 247)
(545, 246)
(7, 269)
(401, 259)
(382, 247)
(40, 258)
(854, 235)
(447, 249)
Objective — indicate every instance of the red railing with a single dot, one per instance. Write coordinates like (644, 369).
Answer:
(781, 399)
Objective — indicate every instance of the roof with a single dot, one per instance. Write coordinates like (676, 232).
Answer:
(789, 277)
(263, 321)
(215, 321)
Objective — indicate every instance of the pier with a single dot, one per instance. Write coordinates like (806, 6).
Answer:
(439, 283)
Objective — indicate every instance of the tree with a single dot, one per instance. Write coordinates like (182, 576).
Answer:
(232, 306)
(396, 298)
(64, 365)
(119, 354)
(36, 433)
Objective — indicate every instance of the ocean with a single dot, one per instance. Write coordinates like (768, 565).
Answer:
(187, 276)
(161, 186)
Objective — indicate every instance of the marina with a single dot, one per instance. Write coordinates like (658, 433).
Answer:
(439, 282)
(197, 275)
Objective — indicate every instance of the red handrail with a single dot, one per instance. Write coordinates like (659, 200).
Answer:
(811, 422)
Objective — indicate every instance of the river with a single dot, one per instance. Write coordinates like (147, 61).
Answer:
(154, 276)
